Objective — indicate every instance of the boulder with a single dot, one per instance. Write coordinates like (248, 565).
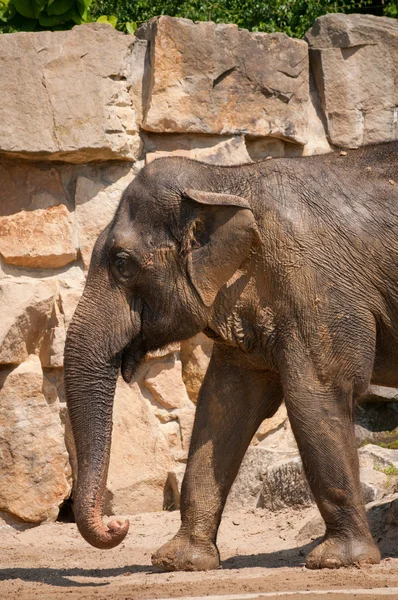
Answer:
(78, 84)
(31, 186)
(140, 456)
(231, 151)
(219, 79)
(97, 197)
(384, 459)
(270, 426)
(377, 423)
(172, 490)
(246, 491)
(41, 238)
(52, 347)
(285, 484)
(195, 357)
(26, 316)
(34, 467)
(354, 59)
(164, 380)
(374, 482)
(379, 393)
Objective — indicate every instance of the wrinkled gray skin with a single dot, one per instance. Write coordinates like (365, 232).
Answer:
(291, 265)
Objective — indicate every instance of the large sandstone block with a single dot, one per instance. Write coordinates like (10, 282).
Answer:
(32, 186)
(218, 79)
(354, 59)
(35, 474)
(230, 151)
(195, 358)
(26, 316)
(140, 457)
(41, 238)
(66, 94)
(97, 197)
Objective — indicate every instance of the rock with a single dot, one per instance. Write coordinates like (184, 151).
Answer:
(269, 426)
(34, 466)
(186, 417)
(218, 79)
(26, 316)
(280, 438)
(384, 459)
(172, 432)
(41, 238)
(285, 485)
(164, 380)
(374, 483)
(354, 59)
(247, 488)
(96, 202)
(266, 147)
(140, 457)
(70, 290)
(316, 131)
(379, 393)
(227, 152)
(52, 347)
(377, 423)
(195, 357)
(78, 83)
(31, 187)
(172, 490)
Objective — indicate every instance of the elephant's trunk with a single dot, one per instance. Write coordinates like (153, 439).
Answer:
(90, 406)
(101, 329)
(90, 387)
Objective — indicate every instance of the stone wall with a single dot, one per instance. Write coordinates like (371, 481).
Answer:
(81, 112)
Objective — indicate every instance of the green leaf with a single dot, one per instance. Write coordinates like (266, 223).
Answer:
(112, 20)
(27, 8)
(20, 23)
(131, 27)
(102, 19)
(46, 20)
(59, 7)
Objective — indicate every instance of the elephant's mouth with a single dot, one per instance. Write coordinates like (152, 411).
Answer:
(131, 358)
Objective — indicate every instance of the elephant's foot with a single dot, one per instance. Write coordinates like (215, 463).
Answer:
(182, 554)
(334, 553)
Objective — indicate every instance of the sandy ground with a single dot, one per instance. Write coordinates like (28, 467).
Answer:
(262, 557)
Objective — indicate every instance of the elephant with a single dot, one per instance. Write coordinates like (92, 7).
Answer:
(291, 266)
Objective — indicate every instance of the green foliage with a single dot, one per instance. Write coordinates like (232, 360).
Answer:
(391, 9)
(390, 471)
(390, 445)
(293, 17)
(36, 15)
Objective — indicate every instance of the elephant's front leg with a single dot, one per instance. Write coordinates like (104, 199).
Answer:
(233, 401)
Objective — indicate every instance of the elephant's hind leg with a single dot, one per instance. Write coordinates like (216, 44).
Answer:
(233, 401)
(321, 415)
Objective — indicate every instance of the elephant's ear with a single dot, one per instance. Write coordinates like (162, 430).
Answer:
(224, 239)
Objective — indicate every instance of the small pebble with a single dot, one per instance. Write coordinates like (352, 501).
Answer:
(343, 153)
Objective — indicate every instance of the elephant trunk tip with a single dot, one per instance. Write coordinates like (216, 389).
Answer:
(104, 537)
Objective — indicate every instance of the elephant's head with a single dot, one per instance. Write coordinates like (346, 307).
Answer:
(176, 239)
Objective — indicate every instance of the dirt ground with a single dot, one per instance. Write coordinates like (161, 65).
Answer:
(262, 557)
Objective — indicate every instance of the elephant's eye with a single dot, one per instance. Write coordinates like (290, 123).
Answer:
(122, 263)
